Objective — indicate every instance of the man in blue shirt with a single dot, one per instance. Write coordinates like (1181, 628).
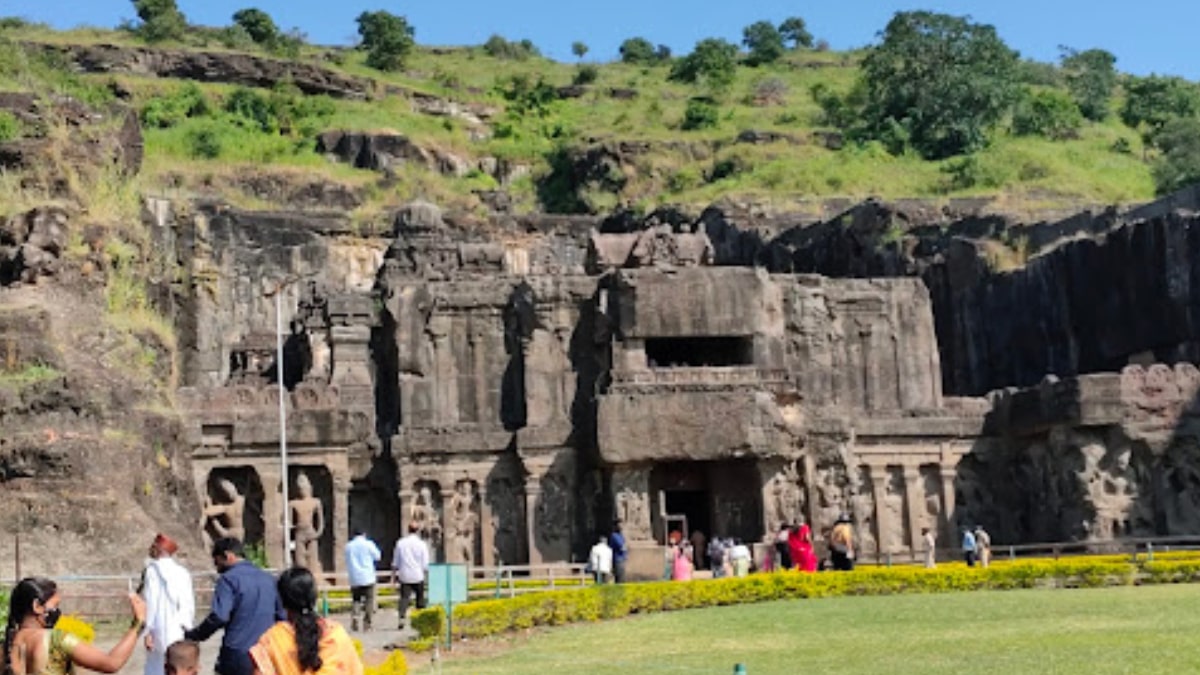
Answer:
(361, 556)
(968, 545)
(616, 541)
(245, 603)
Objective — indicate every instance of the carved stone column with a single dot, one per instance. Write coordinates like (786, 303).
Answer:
(948, 506)
(487, 532)
(341, 518)
(533, 492)
(449, 553)
(406, 503)
(476, 340)
(883, 524)
(912, 501)
(273, 513)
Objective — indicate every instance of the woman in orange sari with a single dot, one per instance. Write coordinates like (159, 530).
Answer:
(305, 643)
(800, 547)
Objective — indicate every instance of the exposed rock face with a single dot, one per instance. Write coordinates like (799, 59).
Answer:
(96, 138)
(380, 152)
(31, 244)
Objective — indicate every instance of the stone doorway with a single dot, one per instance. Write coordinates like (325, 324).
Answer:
(721, 497)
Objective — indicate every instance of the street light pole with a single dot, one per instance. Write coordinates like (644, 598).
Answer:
(283, 451)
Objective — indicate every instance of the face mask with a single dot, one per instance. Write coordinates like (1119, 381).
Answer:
(51, 617)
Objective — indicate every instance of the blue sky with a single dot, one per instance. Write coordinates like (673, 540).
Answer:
(1147, 36)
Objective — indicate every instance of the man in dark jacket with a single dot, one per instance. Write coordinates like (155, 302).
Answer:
(244, 603)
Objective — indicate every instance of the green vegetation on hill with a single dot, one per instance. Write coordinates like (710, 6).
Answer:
(773, 123)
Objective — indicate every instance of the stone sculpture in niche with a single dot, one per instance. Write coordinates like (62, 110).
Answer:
(553, 517)
(424, 512)
(463, 521)
(218, 521)
(308, 523)
(633, 512)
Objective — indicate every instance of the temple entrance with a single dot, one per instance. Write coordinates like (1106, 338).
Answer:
(721, 498)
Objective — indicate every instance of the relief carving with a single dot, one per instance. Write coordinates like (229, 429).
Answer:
(464, 521)
(225, 519)
(308, 524)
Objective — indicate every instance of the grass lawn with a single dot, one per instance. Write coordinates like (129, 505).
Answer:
(1115, 630)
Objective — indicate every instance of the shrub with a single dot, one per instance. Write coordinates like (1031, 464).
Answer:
(490, 617)
(1179, 164)
(712, 64)
(500, 48)
(394, 664)
(204, 143)
(164, 112)
(1151, 102)
(770, 91)
(700, 114)
(429, 622)
(1091, 77)
(10, 126)
(637, 50)
(764, 41)
(586, 74)
(1050, 114)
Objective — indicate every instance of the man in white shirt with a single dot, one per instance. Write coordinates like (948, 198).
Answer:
(410, 562)
(361, 556)
(600, 562)
(170, 605)
(740, 557)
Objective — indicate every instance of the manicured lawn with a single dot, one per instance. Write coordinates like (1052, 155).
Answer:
(1153, 629)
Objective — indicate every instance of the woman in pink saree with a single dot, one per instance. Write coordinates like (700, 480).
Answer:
(681, 567)
(801, 549)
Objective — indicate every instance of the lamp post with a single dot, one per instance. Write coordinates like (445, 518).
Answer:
(283, 449)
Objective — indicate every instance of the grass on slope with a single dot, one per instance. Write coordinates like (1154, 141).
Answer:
(1095, 631)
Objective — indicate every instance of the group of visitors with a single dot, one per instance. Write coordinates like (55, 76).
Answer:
(794, 548)
(606, 561)
(271, 625)
(977, 546)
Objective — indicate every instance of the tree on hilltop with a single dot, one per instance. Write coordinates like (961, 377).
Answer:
(1151, 102)
(579, 49)
(161, 20)
(637, 50)
(938, 83)
(764, 41)
(387, 38)
(794, 30)
(1179, 164)
(1091, 77)
(258, 25)
(712, 64)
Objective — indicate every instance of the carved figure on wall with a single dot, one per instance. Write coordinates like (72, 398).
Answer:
(225, 519)
(633, 510)
(896, 536)
(308, 524)
(461, 538)
(830, 498)
(786, 497)
(424, 512)
(553, 512)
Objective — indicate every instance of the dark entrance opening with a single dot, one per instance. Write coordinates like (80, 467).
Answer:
(695, 505)
(694, 352)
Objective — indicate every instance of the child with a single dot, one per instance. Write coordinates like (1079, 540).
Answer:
(183, 658)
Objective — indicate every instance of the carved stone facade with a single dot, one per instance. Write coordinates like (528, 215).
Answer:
(514, 393)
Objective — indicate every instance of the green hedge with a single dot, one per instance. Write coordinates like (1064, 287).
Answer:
(429, 622)
(552, 608)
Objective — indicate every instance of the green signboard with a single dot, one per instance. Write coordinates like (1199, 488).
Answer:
(447, 587)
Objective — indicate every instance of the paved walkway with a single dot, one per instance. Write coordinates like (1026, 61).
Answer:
(376, 643)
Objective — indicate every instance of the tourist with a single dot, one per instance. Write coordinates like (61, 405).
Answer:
(600, 560)
(361, 556)
(968, 546)
(170, 604)
(410, 563)
(716, 557)
(841, 544)
(33, 646)
(927, 537)
(182, 658)
(304, 643)
(244, 603)
(699, 544)
(783, 557)
(740, 558)
(983, 544)
(800, 549)
(681, 563)
(616, 541)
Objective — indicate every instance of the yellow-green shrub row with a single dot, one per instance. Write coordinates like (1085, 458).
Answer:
(489, 617)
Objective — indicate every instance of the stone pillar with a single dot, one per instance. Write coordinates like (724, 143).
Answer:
(341, 519)
(273, 513)
(533, 492)
(478, 362)
(883, 526)
(487, 532)
(912, 501)
(947, 515)
(406, 502)
(449, 553)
